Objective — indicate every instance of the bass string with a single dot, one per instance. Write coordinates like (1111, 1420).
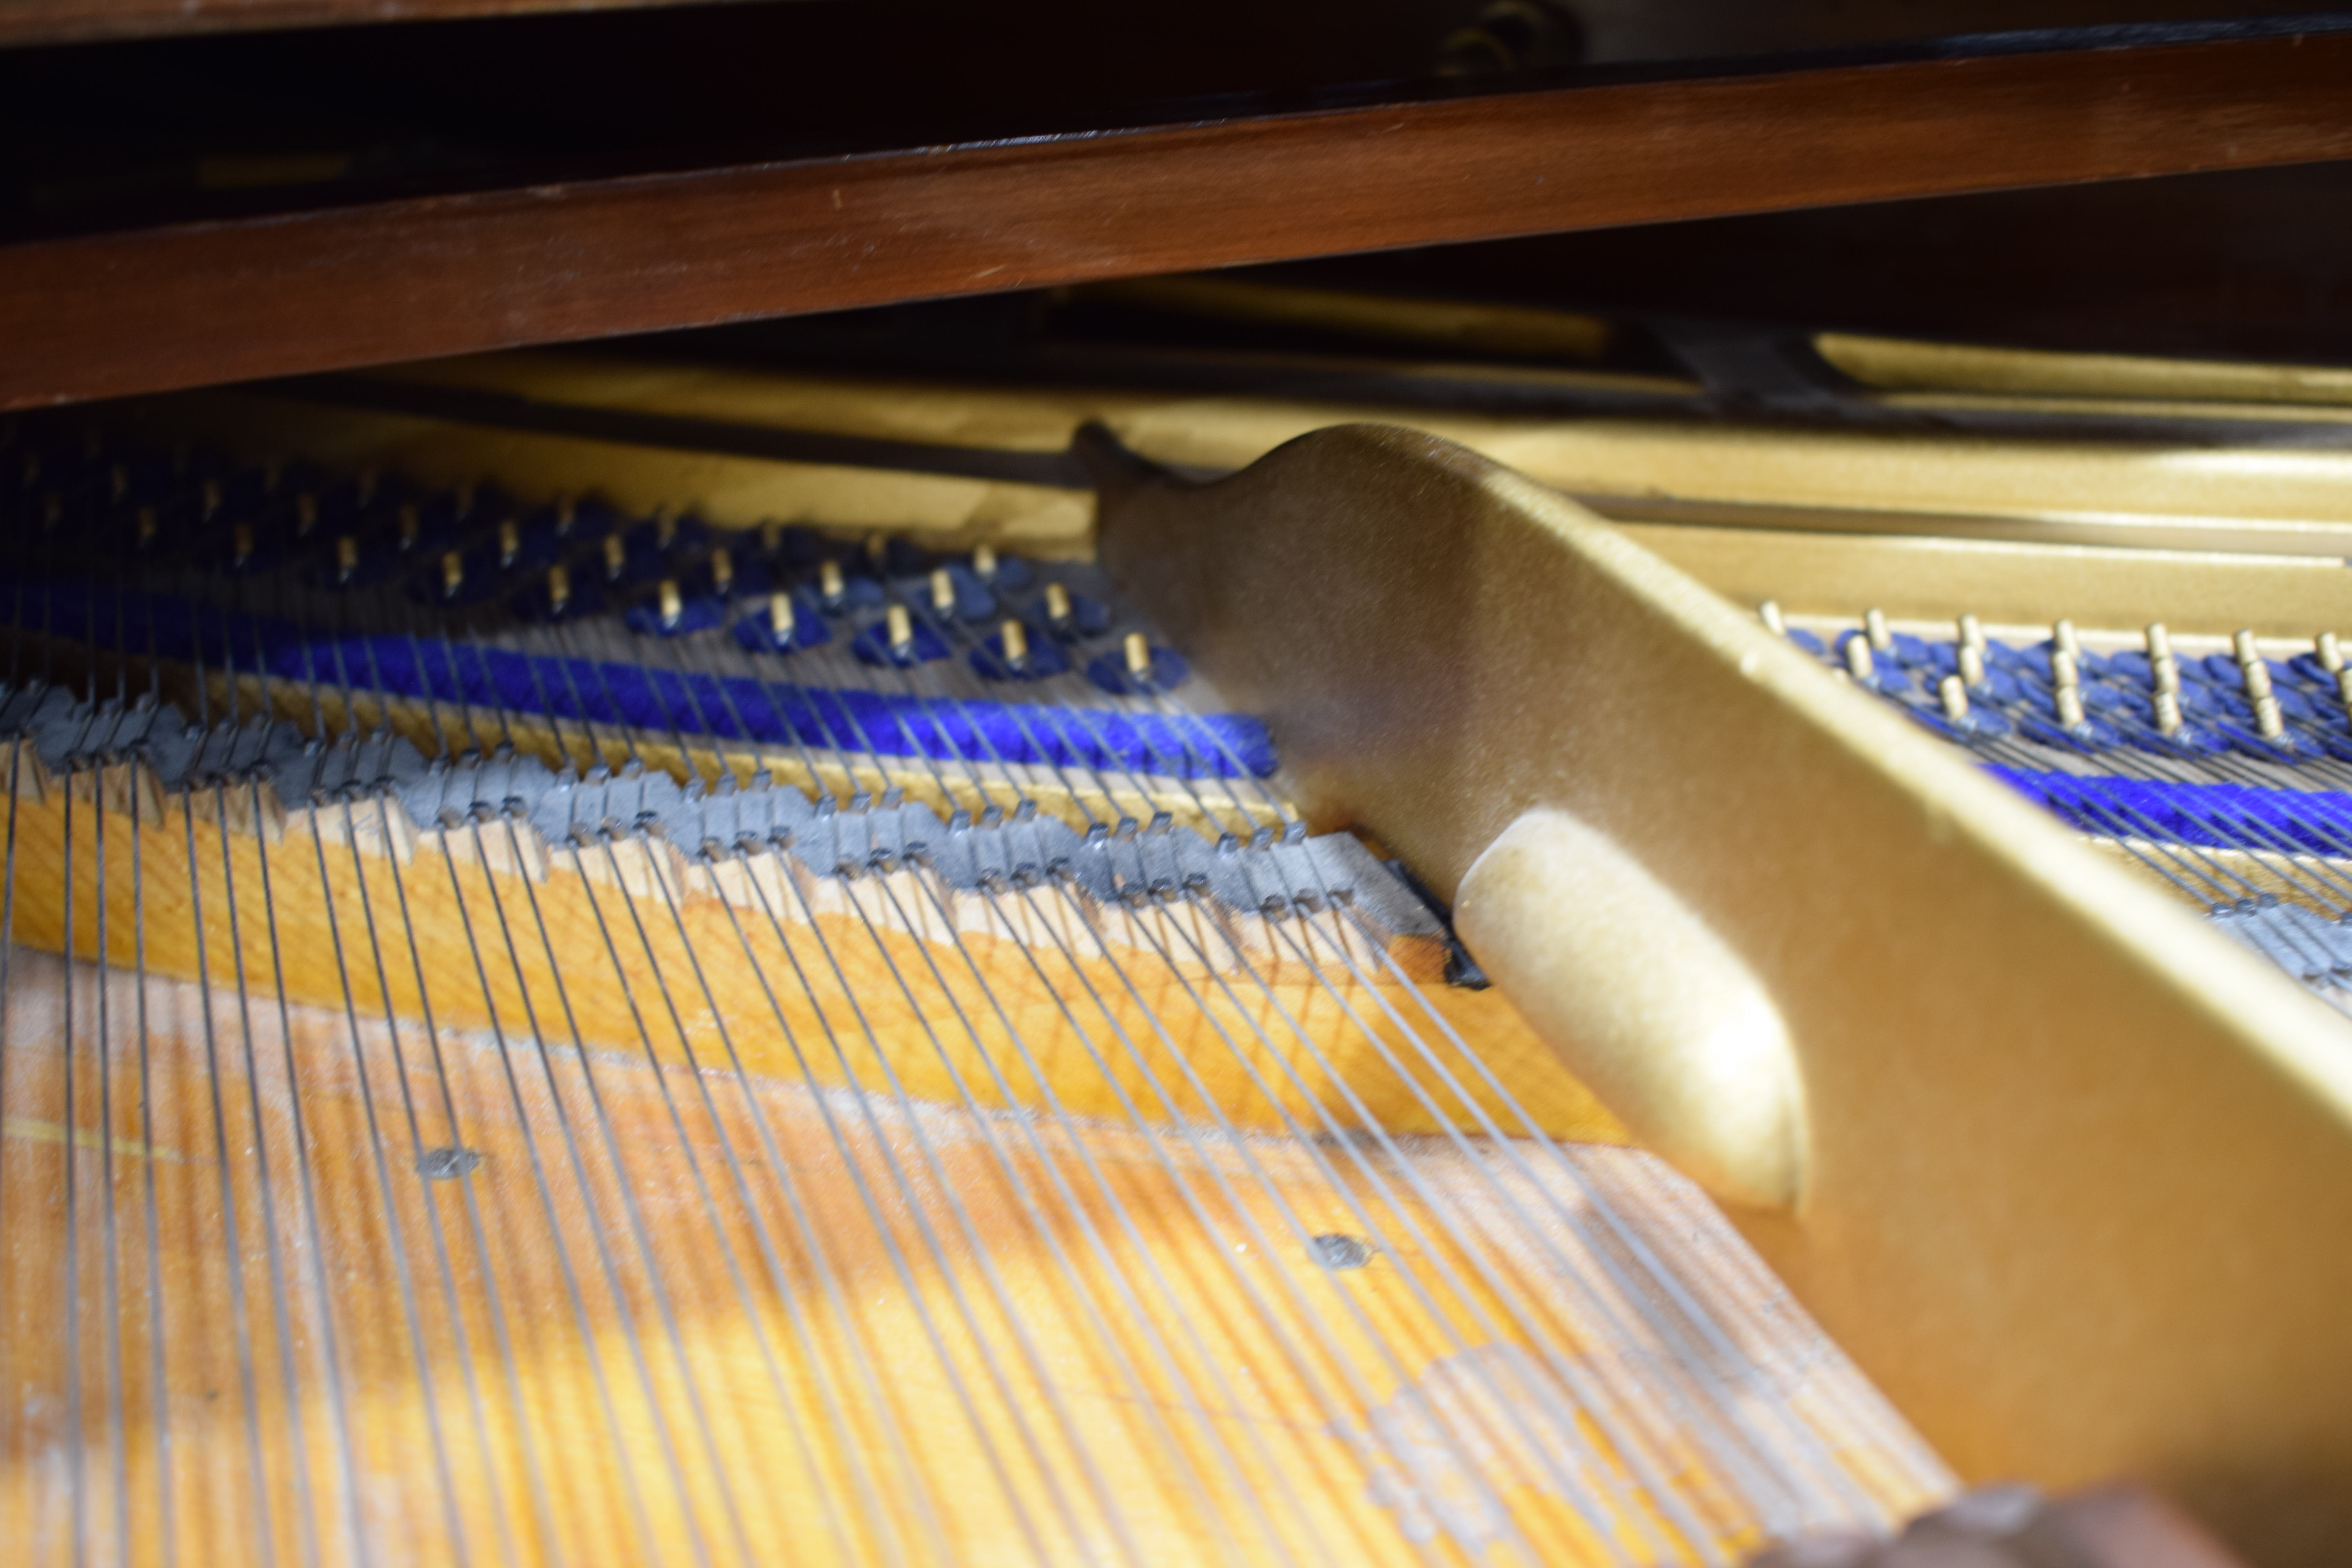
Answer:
(1338, 908)
(330, 1339)
(240, 1311)
(1620, 1417)
(110, 1290)
(1025, 1197)
(853, 1453)
(1006, 1305)
(721, 1242)
(893, 1249)
(1314, 1371)
(281, 1295)
(601, 1241)
(939, 1258)
(1601, 1516)
(1726, 1432)
(632, 1491)
(492, 1298)
(1696, 1334)
(783, 1174)
(159, 1402)
(1024, 1343)
(1229, 1462)
(1066, 1197)
(1459, 1452)
(396, 1232)
(658, 1285)
(76, 1459)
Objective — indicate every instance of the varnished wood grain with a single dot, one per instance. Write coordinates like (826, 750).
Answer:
(750, 1376)
(185, 306)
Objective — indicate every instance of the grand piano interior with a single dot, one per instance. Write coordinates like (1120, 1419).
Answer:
(837, 780)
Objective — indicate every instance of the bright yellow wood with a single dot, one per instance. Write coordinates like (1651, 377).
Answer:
(593, 940)
(1902, 365)
(857, 1382)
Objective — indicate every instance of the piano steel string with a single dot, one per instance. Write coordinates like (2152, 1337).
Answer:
(550, 1036)
(2220, 766)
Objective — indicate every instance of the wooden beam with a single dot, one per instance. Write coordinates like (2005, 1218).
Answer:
(149, 311)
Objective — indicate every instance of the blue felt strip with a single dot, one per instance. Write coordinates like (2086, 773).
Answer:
(2215, 815)
(1215, 745)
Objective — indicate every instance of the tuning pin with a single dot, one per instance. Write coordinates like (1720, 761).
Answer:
(780, 617)
(1874, 626)
(1014, 638)
(410, 528)
(943, 597)
(2331, 656)
(722, 571)
(829, 583)
(509, 542)
(772, 537)
(28, 474)
(147, 526)
(901, 631)
(2257, 678)
(465, 498)
(272, 472)
(2344, 688)
(53, 510)
(306, 514)
(984, 562)
(616, 557)
(363, 488)
(1972, 666)
(2070, 707)
(347, 557)
(2168, 710)
(453, 574)
(118, 482)
(1954, 694)
(2062, 638)
(672, 606)
(559, 589)
(1859, 661)
(877, 552)
(2163, 673)
(2270, 722)
(1774, 622)
(2063, 671)
(1057, 606)
(240, 543)
(1138, 656)
(665, 528)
